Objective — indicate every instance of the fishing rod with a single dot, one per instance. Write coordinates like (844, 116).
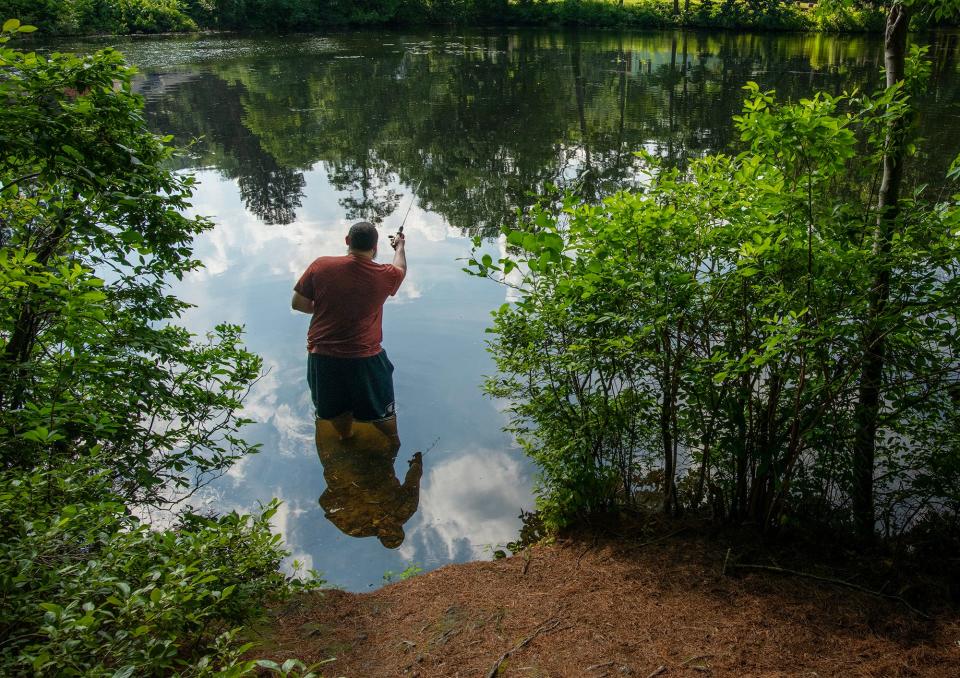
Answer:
(413, 196)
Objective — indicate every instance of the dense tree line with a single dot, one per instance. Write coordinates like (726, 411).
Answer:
(155, 16)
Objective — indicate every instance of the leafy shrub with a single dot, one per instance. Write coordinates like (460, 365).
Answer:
(101, 16)
(85, 362)
(90, 590)
(106, 406)
(831, 15)
(709, 330)
(153, 16)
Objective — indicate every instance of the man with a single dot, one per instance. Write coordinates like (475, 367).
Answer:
(349, 374)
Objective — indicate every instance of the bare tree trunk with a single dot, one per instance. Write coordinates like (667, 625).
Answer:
(867, 412)
(667, 406)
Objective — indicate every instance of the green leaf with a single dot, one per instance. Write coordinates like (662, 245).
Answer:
(11, 25)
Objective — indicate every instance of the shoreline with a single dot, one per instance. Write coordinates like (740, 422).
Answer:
(595, 604)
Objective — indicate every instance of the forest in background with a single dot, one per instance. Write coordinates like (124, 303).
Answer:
(79, 17)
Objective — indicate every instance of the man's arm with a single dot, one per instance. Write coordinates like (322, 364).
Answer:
(301, 303)
(399, 255)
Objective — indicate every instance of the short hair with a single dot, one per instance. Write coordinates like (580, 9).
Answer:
(363, 236)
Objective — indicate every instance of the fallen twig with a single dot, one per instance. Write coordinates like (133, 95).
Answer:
(590, 546)
(543, 628)
(830, 580)
(599, 666)
(658, 671)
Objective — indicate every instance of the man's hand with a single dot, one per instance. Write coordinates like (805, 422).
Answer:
(397, 241)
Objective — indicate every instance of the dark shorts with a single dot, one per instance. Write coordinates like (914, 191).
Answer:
(363, 386)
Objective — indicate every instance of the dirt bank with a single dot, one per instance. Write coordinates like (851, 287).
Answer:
(606, 607)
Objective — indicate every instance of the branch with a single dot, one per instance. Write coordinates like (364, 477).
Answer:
(14, 182)
(543, 628)
(830, 580)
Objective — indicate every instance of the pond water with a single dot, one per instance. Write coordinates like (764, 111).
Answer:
(299, 136)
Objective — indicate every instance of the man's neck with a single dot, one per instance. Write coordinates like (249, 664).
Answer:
(362, 254)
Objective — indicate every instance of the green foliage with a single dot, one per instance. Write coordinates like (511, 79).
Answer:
(90, 590)
(698, 343)
(152, 16)
(101, 16)
(91, 228)
(839, 16)
(411, 570)
(106, 407)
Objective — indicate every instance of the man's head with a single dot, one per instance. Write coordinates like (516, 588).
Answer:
(362, 237)
(390, 535)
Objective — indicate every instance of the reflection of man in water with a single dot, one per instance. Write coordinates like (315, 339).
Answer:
(363, 496)
(349, 374)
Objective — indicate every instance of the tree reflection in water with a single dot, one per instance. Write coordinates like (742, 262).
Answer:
(364, 498)
(482, 124)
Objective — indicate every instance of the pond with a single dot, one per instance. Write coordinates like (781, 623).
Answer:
(299, 136)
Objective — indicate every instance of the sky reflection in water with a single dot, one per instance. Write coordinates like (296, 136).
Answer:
(474, 482)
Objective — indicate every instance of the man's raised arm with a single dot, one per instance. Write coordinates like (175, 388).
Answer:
(399, 256)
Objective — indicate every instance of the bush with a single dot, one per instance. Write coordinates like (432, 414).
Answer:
(106, 406)
(698, 344)
(843, 16)
(90, 590)
(153, 16)
(101, 16)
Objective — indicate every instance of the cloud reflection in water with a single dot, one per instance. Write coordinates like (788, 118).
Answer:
(474, 482)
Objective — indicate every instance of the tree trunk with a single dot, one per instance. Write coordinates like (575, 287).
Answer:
(667, 410)
(870, 399)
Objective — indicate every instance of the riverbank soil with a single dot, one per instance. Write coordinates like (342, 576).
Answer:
(674, 605)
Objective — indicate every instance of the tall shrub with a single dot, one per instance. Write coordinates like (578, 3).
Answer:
(699, 343)
(106, 406)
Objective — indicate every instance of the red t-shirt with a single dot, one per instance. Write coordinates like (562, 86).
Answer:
(348, 294)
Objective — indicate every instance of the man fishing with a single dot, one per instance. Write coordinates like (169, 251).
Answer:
(349, 374)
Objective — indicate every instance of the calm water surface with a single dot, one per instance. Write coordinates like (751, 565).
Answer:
(299, 136)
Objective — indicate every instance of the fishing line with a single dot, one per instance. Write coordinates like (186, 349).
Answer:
(413, 197)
